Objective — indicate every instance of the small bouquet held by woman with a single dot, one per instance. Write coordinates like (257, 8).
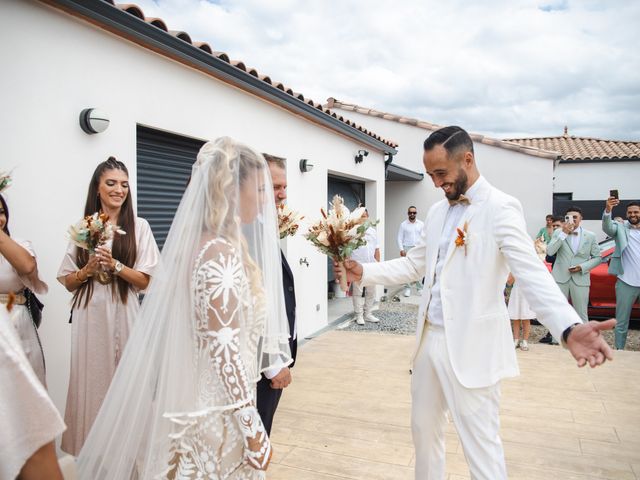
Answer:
(338, 233)
(92, 232)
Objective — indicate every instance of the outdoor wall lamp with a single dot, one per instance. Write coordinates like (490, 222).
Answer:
(305, 166)
(360, 155)
(93, 121)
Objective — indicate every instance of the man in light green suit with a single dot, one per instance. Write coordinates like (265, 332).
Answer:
(625, 263)
(577, 252)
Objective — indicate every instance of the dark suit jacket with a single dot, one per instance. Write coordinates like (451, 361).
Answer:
(290, 304)
(267, 397)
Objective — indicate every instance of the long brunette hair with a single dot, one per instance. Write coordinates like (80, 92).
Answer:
(124, 246)
(3, 202)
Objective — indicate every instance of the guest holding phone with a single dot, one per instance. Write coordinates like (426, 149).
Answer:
(625, 262)
(577, 253)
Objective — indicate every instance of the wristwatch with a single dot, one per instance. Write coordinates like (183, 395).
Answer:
(118, 267)
(565, 334)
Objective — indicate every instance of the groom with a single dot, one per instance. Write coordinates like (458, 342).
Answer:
(273, 381)
(470, 242)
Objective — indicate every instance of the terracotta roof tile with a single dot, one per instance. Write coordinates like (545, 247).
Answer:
(529, 150)
(132, 9)
(239, 64)
(572, 148)
(222, 56)
(159, 23)
(184, 36)
(204, 46)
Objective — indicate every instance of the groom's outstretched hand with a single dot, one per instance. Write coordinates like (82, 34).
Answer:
(351, 268)
(587, 345)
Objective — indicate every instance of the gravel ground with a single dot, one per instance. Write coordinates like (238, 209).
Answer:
(400, 319)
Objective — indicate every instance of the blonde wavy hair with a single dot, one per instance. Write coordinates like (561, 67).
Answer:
(231, 162)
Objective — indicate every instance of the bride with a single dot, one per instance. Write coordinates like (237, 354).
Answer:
(182, 402)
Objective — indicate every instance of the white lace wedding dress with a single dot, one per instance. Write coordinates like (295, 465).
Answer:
(209, 443)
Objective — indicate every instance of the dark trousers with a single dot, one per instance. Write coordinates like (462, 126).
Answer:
(267, 400)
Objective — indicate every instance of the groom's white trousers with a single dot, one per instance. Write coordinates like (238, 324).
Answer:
(475, 412)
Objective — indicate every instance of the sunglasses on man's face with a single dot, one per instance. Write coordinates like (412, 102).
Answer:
(412, 213)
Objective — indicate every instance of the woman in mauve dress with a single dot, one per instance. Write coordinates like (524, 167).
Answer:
(19, 269)
(105, 289)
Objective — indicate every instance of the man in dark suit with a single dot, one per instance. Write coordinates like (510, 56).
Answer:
(273, 381)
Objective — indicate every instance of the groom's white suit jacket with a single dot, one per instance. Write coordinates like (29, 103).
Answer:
(477, 325)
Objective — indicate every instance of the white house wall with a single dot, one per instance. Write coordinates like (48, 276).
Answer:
(526, 177)
(592, 181)
(55, 65)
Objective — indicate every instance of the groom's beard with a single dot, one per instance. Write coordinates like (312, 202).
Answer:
(459, 186)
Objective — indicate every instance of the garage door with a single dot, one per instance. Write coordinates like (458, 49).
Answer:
(164, 163)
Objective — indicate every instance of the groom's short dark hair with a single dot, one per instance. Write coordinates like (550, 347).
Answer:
(454, 139)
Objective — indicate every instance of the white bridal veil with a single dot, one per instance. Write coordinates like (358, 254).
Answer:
(227, 198)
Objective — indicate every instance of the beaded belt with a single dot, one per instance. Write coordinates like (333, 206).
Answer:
(19, 299)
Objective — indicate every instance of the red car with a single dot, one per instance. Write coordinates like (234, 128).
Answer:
(602, 295)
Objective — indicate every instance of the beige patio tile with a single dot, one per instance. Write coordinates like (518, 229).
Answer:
(624, 451)
(346, 466)
(283, 472)
(347, 415)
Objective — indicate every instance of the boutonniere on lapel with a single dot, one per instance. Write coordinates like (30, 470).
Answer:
(463, 237)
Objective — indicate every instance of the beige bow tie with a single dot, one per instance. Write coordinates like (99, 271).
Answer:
(461, 200)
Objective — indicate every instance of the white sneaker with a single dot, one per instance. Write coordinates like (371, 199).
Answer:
(370, 318)
(516, 343)
(524, 345)
(407, 292)
(359, 320)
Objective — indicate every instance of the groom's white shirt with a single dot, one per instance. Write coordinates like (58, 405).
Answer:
(452, 219)
(470, 284)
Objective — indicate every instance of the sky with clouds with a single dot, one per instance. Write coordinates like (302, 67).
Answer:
(504, 68)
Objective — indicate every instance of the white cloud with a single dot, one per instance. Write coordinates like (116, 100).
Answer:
(496, 67)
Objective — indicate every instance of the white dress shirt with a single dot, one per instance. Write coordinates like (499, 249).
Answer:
(452, 220)
(631, 259)
(574, 241)
(409, 233)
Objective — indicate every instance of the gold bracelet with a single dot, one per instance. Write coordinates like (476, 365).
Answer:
(78, 277)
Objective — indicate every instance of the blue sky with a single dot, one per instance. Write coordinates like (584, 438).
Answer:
(498, 67)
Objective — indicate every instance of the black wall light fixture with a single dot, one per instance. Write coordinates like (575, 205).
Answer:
(360, 155)
(305, 166)
(93, 121)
